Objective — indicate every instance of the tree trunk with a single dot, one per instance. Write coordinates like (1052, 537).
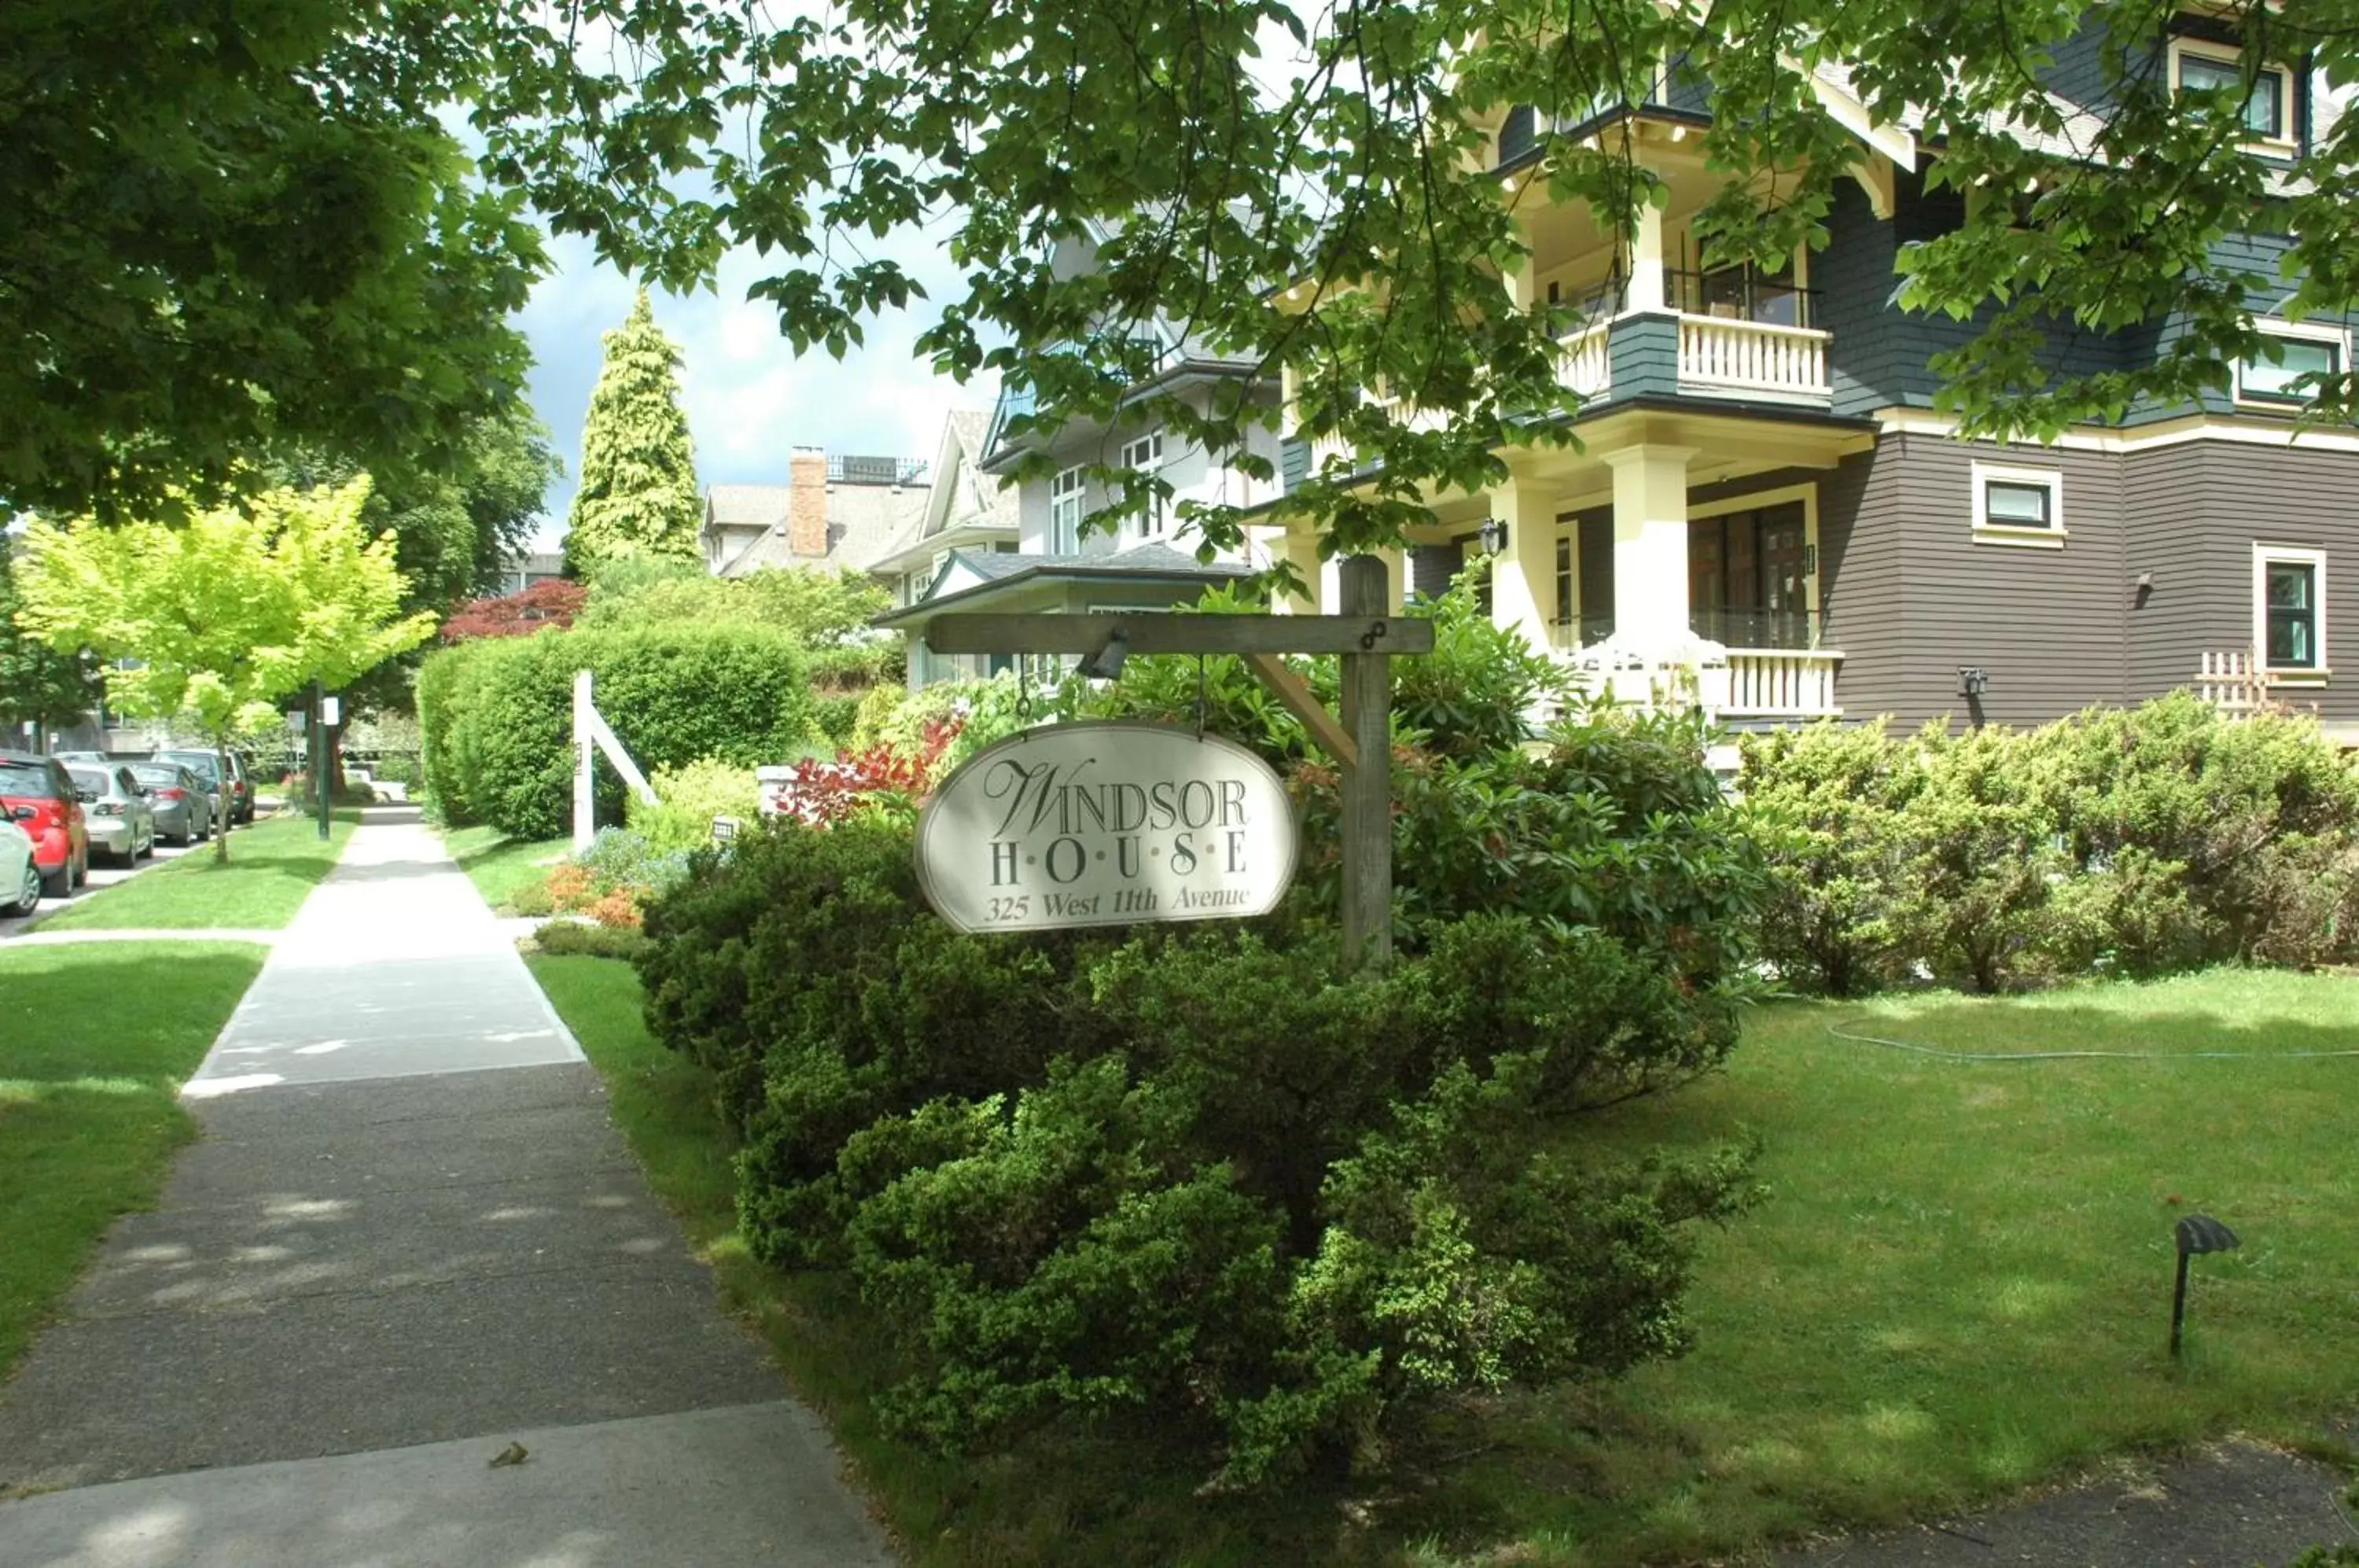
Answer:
(228, 801)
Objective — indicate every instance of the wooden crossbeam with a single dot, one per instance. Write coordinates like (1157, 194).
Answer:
(1295, 692)
(974, 632)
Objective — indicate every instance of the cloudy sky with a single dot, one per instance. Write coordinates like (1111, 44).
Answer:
(749, 400)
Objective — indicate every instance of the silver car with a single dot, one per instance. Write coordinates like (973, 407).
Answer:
(20, 880)
(115, 807)
(184, 808)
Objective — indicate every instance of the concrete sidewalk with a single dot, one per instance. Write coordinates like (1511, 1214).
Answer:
(409, 1237)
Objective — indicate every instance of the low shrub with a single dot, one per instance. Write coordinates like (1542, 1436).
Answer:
(399, 768)
(687, 800)
(1201, 1174)
(571, 939)
(2137, 841)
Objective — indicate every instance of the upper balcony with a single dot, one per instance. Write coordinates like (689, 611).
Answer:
(1729, 335)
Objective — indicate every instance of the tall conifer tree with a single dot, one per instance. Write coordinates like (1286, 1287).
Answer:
(639, 475)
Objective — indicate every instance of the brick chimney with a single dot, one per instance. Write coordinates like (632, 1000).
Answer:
(807, 502)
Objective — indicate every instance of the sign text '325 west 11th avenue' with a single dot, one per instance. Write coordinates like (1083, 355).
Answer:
(1110, 824)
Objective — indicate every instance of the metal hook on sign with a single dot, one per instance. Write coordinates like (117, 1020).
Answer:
(1373, 636)
(1023, 688)
(1201, 703)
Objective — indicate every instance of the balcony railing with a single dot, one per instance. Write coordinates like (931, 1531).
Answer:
(1751, 356)
(1585, 361)
(1752, 628)
(1739, 294)
(1799, 631)
(1781, 685)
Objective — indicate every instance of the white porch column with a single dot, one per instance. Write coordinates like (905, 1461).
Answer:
(1650, 545)
(1301, 550)
(1646, 261)
(1522, 575)
(1395, 578)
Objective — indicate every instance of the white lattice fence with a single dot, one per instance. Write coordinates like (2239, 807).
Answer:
(2234, 681)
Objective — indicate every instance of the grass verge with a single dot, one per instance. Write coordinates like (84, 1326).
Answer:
(1959, 1287)
(94, 1041)
(272, 868)
(499, 865)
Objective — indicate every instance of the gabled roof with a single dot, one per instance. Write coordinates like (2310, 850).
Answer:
(1150, 565)
(746, 506)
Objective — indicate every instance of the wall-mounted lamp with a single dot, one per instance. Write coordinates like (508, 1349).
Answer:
(1105, 664)
(1492, 535)
(1972, 681)
(2145, 590)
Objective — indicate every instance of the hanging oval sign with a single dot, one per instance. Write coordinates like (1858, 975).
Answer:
(1107, 823)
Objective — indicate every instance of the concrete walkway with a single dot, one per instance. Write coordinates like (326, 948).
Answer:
(410, 1237)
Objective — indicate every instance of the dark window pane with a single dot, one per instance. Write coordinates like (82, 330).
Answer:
(2297, 357)
(2290, 587)
(2016, 505)
(2291, 591)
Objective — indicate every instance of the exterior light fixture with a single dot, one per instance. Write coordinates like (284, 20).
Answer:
(1972, 681)
(2196, 1233)
(1106, 663)
(1492, 536)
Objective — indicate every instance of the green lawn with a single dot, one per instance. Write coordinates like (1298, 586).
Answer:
(500, 865)
(1959, 1285)
(93, 1042)
(273, 866)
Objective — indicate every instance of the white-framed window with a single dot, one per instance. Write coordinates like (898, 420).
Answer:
(2018, 506)
(2303, 349)
(1145, 455)
(2266, 103)
(2289, 610)
(1065, 513)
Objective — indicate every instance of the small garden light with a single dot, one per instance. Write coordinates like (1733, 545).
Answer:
(2196, 1233)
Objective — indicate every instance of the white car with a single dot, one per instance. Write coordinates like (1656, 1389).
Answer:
(20, 880)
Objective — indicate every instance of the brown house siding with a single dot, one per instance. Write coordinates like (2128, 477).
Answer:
(2196, 603)
(1915, 597)
(2201, 506)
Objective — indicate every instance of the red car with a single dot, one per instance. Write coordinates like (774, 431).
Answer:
(38, 794)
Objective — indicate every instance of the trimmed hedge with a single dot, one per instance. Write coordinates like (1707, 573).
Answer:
(498, 715)
(2130, 840)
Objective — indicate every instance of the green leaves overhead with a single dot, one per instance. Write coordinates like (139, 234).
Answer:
(1316, 192)
(230, 226)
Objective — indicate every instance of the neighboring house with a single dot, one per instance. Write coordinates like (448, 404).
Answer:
(526, 570)
(969, 516)
(832, 512)
(1058, 566)
(1764, 495)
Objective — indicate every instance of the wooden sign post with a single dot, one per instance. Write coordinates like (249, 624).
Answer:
(1367, 638)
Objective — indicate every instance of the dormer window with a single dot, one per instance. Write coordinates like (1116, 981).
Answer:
(2266, 102)
(2304, 355)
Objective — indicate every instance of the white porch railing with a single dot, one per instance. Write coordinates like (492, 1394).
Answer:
(1584, 361)
(1781, 683)
(1726, 684)
(1751, 356)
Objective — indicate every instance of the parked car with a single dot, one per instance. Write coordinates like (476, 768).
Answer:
(20, 880)
(38, 794)
(184, 811)
(121, 822)
(234, 804)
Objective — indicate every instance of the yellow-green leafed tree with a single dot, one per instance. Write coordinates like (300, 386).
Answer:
(224, 616)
